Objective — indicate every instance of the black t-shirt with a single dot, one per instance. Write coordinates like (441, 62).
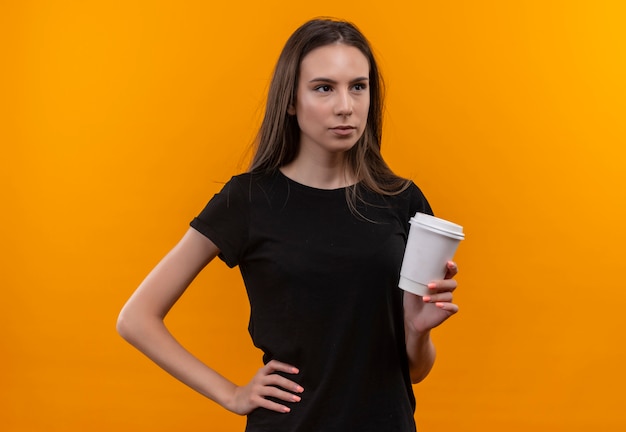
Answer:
(323, 289)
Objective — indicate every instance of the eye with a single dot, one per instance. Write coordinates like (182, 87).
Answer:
(360, 87)
(323, 88)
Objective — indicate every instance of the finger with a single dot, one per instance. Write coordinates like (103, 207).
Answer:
(451, 270)
(280, 394)
(272, 406)
(448, 307)
(436, 298)
(446, 285)
(277, 366)
(282, 382)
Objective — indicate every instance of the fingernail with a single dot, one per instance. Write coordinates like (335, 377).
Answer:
(286, 409)
(295, 370)
(439, 305)
(432, 285)
(299, 389)
(426, 299)
(296, 398)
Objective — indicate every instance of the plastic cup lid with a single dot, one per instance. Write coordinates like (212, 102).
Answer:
(438, 224)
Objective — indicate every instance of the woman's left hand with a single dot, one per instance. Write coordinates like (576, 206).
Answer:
(422, 314)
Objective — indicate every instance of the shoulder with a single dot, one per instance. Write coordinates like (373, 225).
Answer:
(244, 182)
(417, 200)
(410, 200)
(251, 183)
(254, 189)
(253, 179)
(413, 191)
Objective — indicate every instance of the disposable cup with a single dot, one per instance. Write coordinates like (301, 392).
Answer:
(431, 244)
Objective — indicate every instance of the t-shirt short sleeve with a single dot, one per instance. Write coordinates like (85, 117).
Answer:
(225, 220)
(418, 202)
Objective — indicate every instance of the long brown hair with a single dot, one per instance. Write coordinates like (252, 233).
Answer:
(279, 135)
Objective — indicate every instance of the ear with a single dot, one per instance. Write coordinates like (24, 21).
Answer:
(291, 110)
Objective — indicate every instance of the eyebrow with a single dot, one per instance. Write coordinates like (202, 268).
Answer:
(332, 81)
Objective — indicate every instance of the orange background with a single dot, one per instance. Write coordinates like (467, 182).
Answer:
(120, 119)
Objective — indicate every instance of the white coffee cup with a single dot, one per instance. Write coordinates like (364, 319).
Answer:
(431, 244)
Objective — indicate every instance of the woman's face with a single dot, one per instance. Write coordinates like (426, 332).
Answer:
(332, 99)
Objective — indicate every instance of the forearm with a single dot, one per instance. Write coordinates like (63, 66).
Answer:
(421, 315)
(151, 337)
(420, 352)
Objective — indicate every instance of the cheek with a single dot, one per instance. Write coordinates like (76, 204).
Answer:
(365, 107)
(309, 110)
(365, 114)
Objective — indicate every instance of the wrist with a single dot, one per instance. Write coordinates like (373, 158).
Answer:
(417, 337)
(228, 398)
(421, 354)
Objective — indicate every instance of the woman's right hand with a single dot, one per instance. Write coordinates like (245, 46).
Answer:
(267, 383)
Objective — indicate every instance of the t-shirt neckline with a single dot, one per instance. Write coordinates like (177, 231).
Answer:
(311, 188)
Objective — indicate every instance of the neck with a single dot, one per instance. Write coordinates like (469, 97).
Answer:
(329, 173)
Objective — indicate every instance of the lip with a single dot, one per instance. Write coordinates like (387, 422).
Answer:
(343, 130)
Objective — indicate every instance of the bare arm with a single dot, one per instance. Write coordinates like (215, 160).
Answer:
(421, 315)
(141, 323)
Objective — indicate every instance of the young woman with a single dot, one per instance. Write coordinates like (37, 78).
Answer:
(318, 228)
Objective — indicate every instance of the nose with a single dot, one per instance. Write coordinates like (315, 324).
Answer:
(343, 106)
